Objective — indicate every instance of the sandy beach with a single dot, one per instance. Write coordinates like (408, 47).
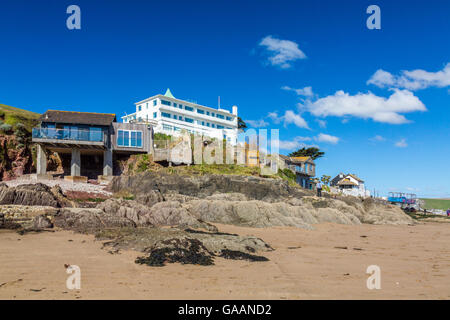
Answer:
(326, 263)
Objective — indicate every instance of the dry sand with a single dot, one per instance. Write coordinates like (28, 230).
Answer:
(414, 262)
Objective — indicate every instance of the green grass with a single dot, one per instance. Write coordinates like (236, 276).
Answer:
(216, 169)
(13, 116)
(442, 204)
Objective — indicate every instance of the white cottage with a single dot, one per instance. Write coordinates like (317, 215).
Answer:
(350, 184)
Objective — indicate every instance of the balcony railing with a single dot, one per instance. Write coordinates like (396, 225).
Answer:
(68, 134)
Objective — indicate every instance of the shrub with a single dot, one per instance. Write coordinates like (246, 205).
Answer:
(288, 173)
(5, 128)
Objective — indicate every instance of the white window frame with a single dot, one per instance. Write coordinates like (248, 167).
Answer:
(129, 139)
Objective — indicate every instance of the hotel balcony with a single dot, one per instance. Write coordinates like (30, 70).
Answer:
(81, 138)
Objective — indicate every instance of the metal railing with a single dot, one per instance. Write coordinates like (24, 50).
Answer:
(69, 134)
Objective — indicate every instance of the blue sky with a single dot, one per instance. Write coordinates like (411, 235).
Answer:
(390, 127)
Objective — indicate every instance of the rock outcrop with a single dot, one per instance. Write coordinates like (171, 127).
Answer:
(15, 158)
(185, 246)
(120, 213)
(250, 201)
(33, 195)
(89, 220)
(253, 188)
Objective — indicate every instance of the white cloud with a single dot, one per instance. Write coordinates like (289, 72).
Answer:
(296, 143)
(377, 138)
(382, 79)
(283, 52)
(257, 123)
(322, 137)
(412, 80)
(299, 141)
(322, 123)
(367, 106)
(288, 118)
(274, 117)
(292, 117)
(305, 92)
(401, 143)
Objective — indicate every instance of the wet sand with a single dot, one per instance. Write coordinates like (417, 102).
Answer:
(327, 263)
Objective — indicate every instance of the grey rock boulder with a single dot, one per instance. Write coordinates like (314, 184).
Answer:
(42, 222)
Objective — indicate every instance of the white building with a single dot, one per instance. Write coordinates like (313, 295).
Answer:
(170, 116)
(350, 184)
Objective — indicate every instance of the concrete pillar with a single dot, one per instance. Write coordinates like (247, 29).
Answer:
(107, 163)
(41, 165)
(75, 163)
(151, 147)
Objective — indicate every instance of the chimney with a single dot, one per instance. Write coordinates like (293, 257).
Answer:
(235, 110)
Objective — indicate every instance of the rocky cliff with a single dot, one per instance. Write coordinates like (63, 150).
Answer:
(17, 154)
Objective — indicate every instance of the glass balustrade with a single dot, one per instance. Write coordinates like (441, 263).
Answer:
(91, 134)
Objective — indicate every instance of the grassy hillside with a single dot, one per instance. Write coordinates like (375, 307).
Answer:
(442, 204)
(13, 116)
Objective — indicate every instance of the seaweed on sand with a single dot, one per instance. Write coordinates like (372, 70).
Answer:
(185, 251)
(239, 255)
(190, 251)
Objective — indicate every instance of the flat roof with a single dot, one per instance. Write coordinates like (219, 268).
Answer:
(185, 102)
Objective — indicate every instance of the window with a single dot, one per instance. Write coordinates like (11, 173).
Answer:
(229, 118)
(200, 111)
(155, 102)
(212, 114)
(129, 138)
(189, 120)
(95, 134)
(147, 105)
(220, 116)
(175, 105)
(167, 127)
(213, 125)
(208, 124)
(166, 103)
(219, 127)
(120, 138)
(188, 108)
(207, 113)
(165, 114)
(139, 108)
(155, 114)
(175, 116)
(176, 129)
(180, 106)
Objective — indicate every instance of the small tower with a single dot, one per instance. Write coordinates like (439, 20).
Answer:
(169, 94)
